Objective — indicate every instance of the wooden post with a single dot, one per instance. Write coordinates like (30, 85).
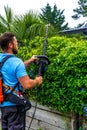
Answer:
(77, 122)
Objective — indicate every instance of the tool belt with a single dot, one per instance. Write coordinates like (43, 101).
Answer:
(19, 99)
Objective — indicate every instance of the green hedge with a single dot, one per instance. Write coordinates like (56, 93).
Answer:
(65, 81)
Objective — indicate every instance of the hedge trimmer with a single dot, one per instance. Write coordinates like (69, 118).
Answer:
(42, 63)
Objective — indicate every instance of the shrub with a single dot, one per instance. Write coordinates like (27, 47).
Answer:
(65, 81)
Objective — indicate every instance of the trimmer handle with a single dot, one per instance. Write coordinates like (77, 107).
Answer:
(43, 58)
(42, 63)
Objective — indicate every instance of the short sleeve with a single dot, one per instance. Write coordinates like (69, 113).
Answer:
(21, 70)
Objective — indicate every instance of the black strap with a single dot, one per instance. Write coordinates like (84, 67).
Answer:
(1, 64)
(15, 87)
(4, 59)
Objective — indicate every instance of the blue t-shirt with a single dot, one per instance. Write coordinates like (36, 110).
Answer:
(11, 70)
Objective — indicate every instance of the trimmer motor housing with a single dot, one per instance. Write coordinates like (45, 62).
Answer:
(42, 62)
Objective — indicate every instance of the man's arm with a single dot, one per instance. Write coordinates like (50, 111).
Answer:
(27, 83)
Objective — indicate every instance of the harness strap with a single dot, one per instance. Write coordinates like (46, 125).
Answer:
(9, 88)
(4, 59)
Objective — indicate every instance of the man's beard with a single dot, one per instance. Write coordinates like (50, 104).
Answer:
(15, 51)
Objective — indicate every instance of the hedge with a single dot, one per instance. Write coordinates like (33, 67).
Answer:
(65, 82)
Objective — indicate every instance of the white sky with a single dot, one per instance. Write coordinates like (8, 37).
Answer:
(22, 6)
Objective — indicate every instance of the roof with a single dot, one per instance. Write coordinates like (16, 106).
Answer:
(82, 30)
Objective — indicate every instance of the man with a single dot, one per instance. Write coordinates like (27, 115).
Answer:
(14, 71)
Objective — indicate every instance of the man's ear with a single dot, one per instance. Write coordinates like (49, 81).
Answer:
(10, 45)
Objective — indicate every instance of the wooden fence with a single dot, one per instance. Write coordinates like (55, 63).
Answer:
(47, 119)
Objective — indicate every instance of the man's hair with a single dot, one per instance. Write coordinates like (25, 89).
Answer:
(5, 39)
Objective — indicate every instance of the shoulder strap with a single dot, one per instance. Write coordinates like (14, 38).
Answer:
(1, 64)
(4, 59)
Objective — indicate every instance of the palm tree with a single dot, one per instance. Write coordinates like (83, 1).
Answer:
(6, 22)
(25, 26)
(28, 26)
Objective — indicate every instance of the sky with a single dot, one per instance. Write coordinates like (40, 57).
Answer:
(23, 6)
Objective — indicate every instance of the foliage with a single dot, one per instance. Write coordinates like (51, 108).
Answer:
(6, 22)
(80, 11)
(53, 16)
(28, 26)
(65, 81)
(25, 27)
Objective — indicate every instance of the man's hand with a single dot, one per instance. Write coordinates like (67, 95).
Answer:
(39, 80)
(32, 59)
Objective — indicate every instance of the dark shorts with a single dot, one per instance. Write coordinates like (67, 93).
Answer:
(13, 118)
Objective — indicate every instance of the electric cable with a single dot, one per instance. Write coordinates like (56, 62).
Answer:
(34, 109)
(43, 61)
